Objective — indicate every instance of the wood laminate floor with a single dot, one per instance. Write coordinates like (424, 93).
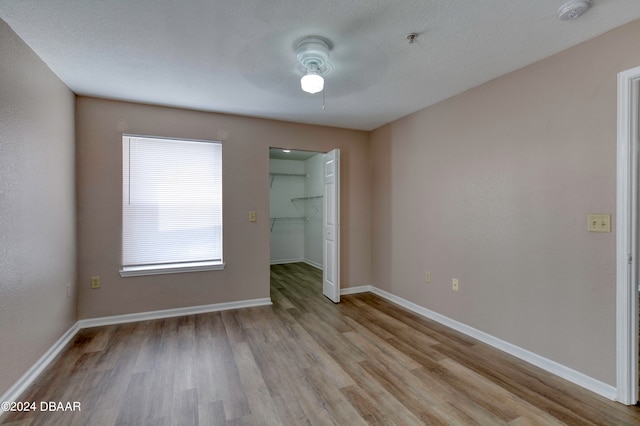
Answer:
(303, 361)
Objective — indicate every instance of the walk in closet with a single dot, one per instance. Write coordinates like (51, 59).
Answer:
(296, 206)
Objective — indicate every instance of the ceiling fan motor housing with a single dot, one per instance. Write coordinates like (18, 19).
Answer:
(314, 51)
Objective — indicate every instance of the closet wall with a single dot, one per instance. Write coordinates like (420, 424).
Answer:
(295, 203)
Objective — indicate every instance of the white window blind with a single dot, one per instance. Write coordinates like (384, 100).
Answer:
(172, 202)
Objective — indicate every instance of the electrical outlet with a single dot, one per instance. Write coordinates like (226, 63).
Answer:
(68, 290)
(95, 282)
(454, 284)
(427, 277)
(252, 216)
(599, 223)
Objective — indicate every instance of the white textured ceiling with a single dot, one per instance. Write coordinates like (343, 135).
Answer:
(238, 56)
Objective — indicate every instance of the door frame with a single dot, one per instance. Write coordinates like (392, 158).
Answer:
(626, 238)
(337, 202)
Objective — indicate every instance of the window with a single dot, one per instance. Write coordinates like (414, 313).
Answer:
(171, 205)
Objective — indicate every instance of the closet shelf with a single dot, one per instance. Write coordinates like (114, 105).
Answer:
(275, 219)
(315, 197)
(273, 176)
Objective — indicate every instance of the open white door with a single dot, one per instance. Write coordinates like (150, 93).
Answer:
(331, 217)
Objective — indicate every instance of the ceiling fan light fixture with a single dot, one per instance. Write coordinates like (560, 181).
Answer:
(312, 82)
(313, 54)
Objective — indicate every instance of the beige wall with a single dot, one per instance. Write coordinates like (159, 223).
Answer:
(493, 187)
(37, 208)
(246, 142)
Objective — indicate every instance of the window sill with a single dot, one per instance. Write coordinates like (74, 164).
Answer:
(174, 268)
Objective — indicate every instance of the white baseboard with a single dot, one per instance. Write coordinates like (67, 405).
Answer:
(170, 313)
(560, 370)
(14, 392)
(314, 264)
(27, 378)
(285, 261)
(354, 290)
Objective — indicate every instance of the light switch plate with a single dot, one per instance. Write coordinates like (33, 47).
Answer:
(252, 216)
(599, 223)
(95, 282)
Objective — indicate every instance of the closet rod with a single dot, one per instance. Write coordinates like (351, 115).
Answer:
(275, 219)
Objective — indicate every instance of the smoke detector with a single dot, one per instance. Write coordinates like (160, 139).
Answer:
(573, 9)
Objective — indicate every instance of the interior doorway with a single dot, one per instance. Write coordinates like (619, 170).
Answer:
(304, 203)
(627, 226)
